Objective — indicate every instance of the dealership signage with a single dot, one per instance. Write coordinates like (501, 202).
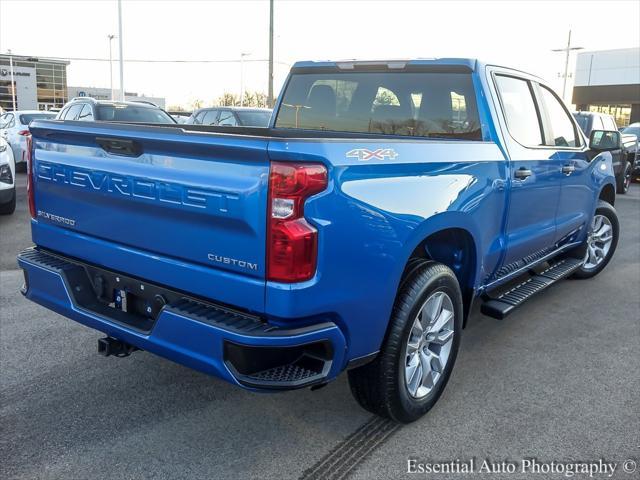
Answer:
(5, 72)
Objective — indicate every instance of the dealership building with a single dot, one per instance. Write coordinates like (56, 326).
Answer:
(608, 81)
(41, 84)
(38, 83)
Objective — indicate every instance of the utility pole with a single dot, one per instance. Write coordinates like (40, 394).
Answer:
(242, 55)
(120, 45)
(13, 85)
(111, 37)
(567, 49)
(270, 90)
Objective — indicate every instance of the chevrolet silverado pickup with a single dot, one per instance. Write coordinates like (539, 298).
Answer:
(352, 234)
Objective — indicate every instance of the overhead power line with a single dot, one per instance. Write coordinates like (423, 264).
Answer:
(136, 60)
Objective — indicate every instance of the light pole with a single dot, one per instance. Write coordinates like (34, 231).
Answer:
(120, 45)
(111, 37)
(242, 55)
(270, 87)
(13, 85)
(567, 49)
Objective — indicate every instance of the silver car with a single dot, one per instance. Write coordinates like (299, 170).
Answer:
(7, 179)
(14, 128)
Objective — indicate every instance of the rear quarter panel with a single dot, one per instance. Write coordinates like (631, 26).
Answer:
(375, 213)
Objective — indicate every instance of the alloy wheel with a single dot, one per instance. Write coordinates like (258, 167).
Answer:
(429, 344)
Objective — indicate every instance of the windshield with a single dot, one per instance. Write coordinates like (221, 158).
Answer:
(132, 113)
(422, 104)
(254, 118)
(27, 118)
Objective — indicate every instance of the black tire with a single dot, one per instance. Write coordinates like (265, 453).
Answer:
(21, 167)
(624, 182)
(608, 211)
(9, 207)
(379, 386)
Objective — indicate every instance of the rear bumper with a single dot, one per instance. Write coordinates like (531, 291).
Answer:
(228, 344)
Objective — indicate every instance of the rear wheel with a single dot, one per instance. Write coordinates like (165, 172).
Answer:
(9, 207)
(416, 359)
(601, 242)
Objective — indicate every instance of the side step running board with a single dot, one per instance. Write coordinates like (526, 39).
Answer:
(499, 306)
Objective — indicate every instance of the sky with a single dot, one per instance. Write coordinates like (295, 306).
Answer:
(514, 33)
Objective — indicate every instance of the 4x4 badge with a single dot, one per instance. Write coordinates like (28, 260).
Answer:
(363, 154)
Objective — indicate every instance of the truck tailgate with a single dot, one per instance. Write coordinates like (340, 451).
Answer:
(190, 200)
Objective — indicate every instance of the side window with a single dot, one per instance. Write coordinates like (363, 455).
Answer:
(209, 117)
(74, 111)
(227, 118)
(3, 120)
(86, 114)
(563, 133)
(519, 110)
(10, 121)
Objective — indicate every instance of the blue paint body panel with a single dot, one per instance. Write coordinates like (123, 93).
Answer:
(193, 199)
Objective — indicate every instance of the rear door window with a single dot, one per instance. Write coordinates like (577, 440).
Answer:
(416, 104)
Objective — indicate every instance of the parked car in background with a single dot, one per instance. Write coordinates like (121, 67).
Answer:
(634, 129)
(624, 158)
(232, 117)
(180, 117)
(7, 179)
(89, 110)
(14, 128)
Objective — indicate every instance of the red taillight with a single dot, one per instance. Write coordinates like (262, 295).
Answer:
(30, 192)
(292, 243)
(24, 133)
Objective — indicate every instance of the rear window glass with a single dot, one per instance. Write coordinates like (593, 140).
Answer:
(132, 113)
(417, 104)
(27, 118)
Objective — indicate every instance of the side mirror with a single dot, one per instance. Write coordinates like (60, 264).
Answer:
(605, 140)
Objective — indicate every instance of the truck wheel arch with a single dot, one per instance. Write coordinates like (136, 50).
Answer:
(608, 194)
(454, 247)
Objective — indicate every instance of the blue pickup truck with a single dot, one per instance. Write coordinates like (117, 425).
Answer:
(354, 233)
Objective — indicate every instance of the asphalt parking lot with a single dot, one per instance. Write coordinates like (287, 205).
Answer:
(558, 380)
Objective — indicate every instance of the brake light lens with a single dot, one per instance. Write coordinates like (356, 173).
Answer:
(292, 243)
(24, 133)
(30, 186)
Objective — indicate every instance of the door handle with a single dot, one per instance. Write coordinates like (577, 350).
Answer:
(117, 146)
(522, 173)
(568, 169)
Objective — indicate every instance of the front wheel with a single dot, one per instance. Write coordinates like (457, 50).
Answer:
(406, 379)
(601, 242)
(624, 181)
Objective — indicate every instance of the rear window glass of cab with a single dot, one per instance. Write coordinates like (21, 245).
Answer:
(414, 104)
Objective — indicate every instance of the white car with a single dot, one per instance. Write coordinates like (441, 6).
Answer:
(7, 179)
(14, 128)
